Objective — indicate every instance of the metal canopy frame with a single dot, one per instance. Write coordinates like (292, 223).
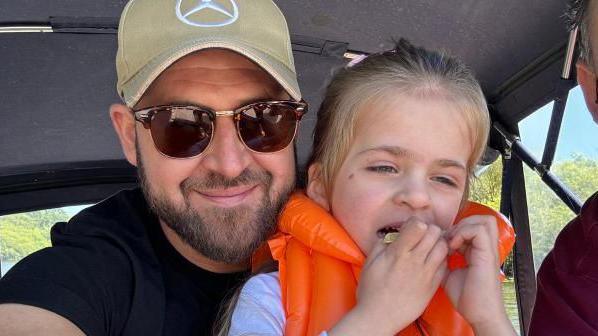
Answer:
(513, 193)
(513, 143)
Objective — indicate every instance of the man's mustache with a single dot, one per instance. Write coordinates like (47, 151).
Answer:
(213, 180)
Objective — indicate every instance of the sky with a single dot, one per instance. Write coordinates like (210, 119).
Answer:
(73, 210)
(579, 133)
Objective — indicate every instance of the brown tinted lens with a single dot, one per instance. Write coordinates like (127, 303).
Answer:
(181, 132)
(268, 127)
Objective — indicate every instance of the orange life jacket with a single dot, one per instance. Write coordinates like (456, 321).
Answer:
(319, 267)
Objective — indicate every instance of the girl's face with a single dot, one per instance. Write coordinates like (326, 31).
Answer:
(408, 159)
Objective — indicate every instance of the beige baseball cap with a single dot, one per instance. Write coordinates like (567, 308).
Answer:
(153, 34)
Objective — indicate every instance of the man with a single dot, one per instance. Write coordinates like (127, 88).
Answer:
(568, 278)
(212, 105)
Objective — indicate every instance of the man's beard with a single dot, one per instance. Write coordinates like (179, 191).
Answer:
(227, 235)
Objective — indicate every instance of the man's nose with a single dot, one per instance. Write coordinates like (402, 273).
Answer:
(413, 192)
(226, 155)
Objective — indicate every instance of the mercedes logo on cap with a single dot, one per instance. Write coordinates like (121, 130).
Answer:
(226, 12)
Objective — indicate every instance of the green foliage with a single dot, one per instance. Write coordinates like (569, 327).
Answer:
(579, 174)
(485, 189)
(547, 213)
(24, 233)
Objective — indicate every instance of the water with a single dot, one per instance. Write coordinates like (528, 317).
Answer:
(508, 292)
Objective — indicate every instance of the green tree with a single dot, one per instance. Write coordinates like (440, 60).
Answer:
(24, 233)
(486, 189)
(487, 184)
(547, 213)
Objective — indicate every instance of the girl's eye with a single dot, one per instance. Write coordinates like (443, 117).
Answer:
(445, 180)
(383, 169)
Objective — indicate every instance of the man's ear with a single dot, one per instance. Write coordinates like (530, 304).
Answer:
(587, 80)
(315, 187)
(124, 125)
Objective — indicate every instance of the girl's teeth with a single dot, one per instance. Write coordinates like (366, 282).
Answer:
(390, 237)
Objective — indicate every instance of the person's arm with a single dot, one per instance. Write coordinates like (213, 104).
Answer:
(18, 319)
(89, 289)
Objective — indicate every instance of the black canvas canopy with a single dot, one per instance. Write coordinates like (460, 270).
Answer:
(57, 80)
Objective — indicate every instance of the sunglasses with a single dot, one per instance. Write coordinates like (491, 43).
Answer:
(186, 131)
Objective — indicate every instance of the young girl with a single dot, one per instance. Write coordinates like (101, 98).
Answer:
(396, 142)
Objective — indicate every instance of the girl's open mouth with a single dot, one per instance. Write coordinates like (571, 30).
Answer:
(387, 229)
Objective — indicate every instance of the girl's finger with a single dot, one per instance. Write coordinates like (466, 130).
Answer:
(441, 273)
(468, 231)
(410, 234)
(475, 234)
(431, 236)
(475, 239)
(438, 253)
(489, 222)
(378, 250)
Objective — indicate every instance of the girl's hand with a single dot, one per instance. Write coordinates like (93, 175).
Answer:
(475, 291)
(397, 282)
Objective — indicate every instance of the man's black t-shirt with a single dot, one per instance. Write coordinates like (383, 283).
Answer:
(111, 271)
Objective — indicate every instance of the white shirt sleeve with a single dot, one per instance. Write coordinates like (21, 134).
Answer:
(259, 310)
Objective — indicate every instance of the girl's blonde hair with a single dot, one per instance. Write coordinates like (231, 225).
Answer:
(405, 70)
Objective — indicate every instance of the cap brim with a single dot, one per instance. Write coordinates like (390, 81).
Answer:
(133, 90)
